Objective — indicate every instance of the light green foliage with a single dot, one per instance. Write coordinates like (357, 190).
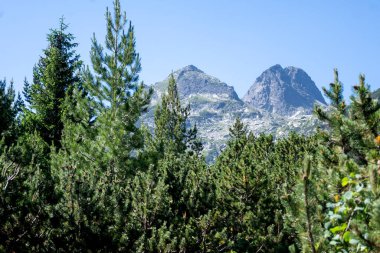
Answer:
(348, 157)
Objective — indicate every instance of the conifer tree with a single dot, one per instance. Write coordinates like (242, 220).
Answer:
(54, 77)
(97, 165)
(356, 201)
(10, 106)
(30, 199)
(249, 206)
(115, 84)
(344, 164)
(171, 133)
(173, 157)
(118, 99)
(364, 107)
(336, 116)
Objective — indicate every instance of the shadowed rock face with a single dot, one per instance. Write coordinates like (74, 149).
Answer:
(283, 91)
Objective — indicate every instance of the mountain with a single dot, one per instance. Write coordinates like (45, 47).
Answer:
(376, 95)
(200, 90)
(283, 91)
(215, 106)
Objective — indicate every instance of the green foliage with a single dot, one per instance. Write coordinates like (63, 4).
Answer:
(54, 78)
(79, 174)
(116, 67)
(347, 165)
(253, 176)
(96, 169)
(171, 133)
(10, 107)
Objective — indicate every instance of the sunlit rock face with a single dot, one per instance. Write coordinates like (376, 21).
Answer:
(280, 101)
(283, 91)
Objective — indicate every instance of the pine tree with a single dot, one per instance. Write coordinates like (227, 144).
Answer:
(346, 165)
(118, 99)
(97, 164)
(337, 114)
(115, 85)
(249, 210)
(54, 77)
(171, 133)
(172, 155)
(10, 106)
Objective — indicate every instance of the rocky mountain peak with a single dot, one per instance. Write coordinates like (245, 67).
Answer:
(283, 91)
(192, 81)
(276, 67)
(189, 68)
(215, 105)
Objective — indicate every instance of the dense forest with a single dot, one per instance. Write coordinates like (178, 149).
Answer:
(79, 173)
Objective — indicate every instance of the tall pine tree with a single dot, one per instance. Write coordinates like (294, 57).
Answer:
(97, 165)
(54, 77)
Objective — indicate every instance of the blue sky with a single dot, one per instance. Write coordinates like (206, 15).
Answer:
(234, 40)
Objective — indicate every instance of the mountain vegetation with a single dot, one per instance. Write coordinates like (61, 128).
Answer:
(81, 172)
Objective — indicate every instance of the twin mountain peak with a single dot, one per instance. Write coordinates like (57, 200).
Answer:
(282, 91)
(279, 101)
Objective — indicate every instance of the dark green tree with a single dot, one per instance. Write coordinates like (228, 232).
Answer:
(171, 133)
(249, 210)
(351, 213)
(54, 77)
(30, 198)
(10, 106)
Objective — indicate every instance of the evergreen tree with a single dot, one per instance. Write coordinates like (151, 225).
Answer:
(351, 214)
(249, 209)
(345, 165)
(117, 97)
(364, 108)
(29, 202)
(173, 155)
(171, 133)
(54, 77)
(97, 164)
(10, 107)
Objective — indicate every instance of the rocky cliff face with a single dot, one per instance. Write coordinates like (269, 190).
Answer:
(283, 91)
(376, 95)
(215, 105)
(199, 89)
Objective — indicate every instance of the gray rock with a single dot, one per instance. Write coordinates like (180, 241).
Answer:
(192, 81)
(215, 105)
(283, 91)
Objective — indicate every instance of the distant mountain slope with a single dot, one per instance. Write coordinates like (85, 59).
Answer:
(376, 95)
(283, 91)
(215, 106)
(199, 90)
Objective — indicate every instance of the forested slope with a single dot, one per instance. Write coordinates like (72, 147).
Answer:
(79, 175)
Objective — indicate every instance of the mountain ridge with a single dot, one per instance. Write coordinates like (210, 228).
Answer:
(215, 105)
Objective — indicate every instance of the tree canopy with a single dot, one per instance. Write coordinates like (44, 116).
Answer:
(81, 173)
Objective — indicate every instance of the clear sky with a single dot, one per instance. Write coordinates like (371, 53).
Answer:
(234, 40)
